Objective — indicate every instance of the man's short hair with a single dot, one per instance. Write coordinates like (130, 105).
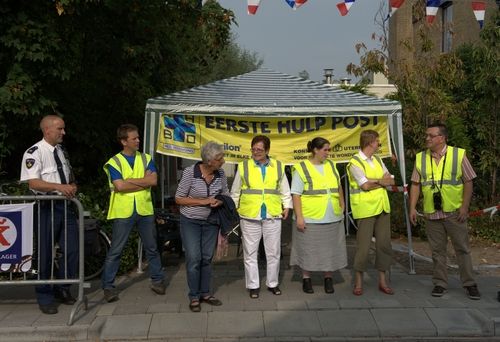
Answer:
(264, 140)
(443, 130)
(367, 137)
(123, 131)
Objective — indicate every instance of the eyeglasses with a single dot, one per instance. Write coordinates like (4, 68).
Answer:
(257, 150)
(432, 136)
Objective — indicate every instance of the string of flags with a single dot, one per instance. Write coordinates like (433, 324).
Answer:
(431, 8)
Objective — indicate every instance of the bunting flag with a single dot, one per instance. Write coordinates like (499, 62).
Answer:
(299, 3)
(431, 9)
(344, 7)
(395, 4)
(290, 3)
(479, 7)
(253, 5)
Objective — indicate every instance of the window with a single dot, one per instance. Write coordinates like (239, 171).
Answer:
(446, 26)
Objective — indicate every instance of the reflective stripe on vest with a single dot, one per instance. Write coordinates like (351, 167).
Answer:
(255, 191)
(371, 202)
(319, 189)
(452, 184)
(121, 204)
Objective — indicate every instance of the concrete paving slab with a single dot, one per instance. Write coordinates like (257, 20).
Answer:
(348, 323)
(385, 302)
(130, 309)
(107, 309)
(259, 305)
(460, 322)
(50, 333)
(354, 303)
(292, 323)
(163, 307)
(291, 305)
(126, 327)
(318, 304)
(25, 317)
(403, 322)
(178, 325)
(234, 323)
(230, 305)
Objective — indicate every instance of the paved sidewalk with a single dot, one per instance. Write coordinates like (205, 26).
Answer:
(410, 315)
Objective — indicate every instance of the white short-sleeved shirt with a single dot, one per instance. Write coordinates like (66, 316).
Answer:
(359, 174)
(39, 163)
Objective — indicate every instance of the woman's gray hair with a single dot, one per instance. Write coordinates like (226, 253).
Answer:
(210, 151)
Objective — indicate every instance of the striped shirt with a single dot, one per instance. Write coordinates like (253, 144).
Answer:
(468, 174)
(193, 185)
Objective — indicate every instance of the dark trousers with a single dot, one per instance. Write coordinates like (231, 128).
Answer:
(55, 228)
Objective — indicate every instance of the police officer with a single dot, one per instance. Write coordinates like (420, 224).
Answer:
(370, 206)
(445, 175)
(47, 170)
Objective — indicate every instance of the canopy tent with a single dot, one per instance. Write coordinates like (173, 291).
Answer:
(267, 93)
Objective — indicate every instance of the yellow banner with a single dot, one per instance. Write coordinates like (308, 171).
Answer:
(183, 135)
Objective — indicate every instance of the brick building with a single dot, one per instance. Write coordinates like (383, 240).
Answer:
(453, 25)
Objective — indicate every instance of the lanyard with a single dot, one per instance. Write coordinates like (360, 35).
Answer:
(442, 171)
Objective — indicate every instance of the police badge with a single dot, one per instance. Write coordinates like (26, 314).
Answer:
(30, 162)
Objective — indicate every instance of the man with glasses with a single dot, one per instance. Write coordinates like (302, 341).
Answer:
(445, 175)
(261, 193)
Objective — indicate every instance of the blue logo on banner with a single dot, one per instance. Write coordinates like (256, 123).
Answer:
(180, 126)
(10, 237)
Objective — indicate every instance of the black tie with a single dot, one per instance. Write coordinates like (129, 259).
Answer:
(60, 167)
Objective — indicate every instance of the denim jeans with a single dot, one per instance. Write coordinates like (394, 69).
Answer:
(121, 231)
(199, 239)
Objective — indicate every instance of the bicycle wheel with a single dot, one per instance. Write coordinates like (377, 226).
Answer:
(94, 264)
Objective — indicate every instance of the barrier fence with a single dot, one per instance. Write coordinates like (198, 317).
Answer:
(20, 276)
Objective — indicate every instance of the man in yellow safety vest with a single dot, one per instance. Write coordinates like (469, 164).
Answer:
(445, 176)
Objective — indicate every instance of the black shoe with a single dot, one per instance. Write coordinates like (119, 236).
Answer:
(438, 291)
(48, 309)
(275, 290)
(158, 288)
(472, 292)
(110, 295)
(64, 296)
(254, 293)
(329, 285)
(307, 285)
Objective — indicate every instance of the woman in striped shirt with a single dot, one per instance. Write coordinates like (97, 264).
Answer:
(195, 195)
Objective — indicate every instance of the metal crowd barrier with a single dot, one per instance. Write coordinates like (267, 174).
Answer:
(32, 277)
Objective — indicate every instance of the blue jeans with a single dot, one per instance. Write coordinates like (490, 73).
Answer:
(199, 239)
(121, 231)
(68, 246)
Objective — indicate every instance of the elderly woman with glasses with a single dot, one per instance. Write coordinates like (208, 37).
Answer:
(318, 242)
(195, 195)
(262, 195)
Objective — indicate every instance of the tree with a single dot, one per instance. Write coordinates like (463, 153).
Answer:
(96, 63)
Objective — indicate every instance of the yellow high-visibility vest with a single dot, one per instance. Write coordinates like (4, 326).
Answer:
(255, 191)
(372, 202)
(121, 204)
(453, 187)
(319, 189)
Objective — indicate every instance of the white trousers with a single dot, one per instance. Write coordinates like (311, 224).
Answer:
(252, 231)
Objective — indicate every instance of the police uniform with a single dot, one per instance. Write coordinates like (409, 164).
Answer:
(39, 163)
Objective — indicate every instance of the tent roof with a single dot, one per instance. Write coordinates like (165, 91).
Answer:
(266, 92)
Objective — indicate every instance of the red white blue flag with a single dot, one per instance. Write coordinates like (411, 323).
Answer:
(394, 5)
(431, 9)
(344, 7)
(16, 237)
(479, 8)
(299, 3)
(253, 5)
(290, 3)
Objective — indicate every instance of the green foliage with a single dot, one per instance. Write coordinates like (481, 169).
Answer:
(461, 89)
(486, 227)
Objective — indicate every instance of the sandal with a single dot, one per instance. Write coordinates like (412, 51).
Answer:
(211, 300)
(275, 290)
(357, 291)
(386, 290)
(254, 293)
(194, 306)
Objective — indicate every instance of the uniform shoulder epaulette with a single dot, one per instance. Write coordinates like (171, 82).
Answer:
(32, 149)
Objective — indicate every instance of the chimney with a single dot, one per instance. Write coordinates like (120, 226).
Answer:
(328, 73)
